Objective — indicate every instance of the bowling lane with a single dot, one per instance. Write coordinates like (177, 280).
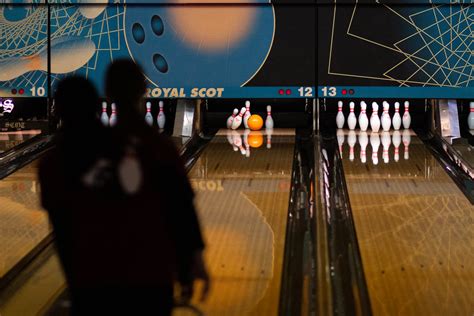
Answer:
(8, 140)
(23, 224)
(243, 206)
(415, 229)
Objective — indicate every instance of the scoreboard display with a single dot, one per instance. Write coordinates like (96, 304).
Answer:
(243, 48)
(186, 50)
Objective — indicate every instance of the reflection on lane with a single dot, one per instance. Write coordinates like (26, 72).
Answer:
(242, 201)
(415, 230)
(8, 140)
(23, 224)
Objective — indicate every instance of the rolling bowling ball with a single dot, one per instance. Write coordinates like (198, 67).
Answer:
(255, 122)
(255, 139)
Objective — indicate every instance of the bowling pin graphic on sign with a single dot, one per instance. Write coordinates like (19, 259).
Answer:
(161, 118)
(148, 116)
(340, 116)
(247, 114)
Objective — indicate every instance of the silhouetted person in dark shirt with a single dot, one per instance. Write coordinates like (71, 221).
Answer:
(120, 203)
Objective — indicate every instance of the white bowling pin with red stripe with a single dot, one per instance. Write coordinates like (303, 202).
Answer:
(374, 118)
(148, 116)
(104, 117)
(269, 120)
(406, 116)
(161, 118)
(247, 114)
(397, 120)
(113, 116)
(230, 119)
(351, 119)
(340, 116)
(237, 121)
(386, 121)
(363, 119)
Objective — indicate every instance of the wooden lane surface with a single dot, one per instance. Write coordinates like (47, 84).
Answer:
(415, 230)
(243, 204)
(23, 223)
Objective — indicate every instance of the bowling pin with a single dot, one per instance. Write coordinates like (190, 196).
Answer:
(161, 118)
(363, 119)
(104, 118)
(340, 116)
(351, 119)
(113, 116)
(396, 119)
(238, 141)
(363, 141)
(351, 140)
(246, 142)
(231, 118)
(148, 116)
(269, 120)
(386, 141)
(237, 121)
(396, 138)
(375, 143)
(386, 121)
(374, 118)
(269, 132)
(470, 117)
(340, 139)
(406, 138)
(247, 114)
(406, 115)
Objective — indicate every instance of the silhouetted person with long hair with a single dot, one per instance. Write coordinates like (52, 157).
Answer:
(120, 204)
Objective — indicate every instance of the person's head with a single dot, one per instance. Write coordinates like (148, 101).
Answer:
(125, 84)
(76, 102)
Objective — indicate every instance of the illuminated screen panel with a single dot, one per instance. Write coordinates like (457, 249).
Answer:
(23, 51)
(198, 50)
(418, 51)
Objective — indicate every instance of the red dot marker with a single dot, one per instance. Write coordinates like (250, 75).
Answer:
(288, 91)
(281, 92)
(21, 91)
(344, 91)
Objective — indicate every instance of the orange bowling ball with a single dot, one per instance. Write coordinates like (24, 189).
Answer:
(255, 139)
(255, 122)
